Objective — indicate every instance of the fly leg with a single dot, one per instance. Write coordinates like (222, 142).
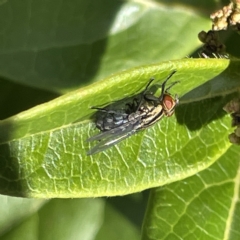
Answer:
(164, 85)
(157, 100)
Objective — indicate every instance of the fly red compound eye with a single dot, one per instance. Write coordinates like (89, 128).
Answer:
(145, 110)
(169, 104)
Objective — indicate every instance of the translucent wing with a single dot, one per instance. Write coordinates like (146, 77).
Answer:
(111, 137)
(106, 143)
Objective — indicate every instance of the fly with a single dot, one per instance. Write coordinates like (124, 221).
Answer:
(117, 125)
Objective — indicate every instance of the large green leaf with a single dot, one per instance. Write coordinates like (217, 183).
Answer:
(61, 219)
(15, 210)
(63, 46)
(45, 155)
(205, 206)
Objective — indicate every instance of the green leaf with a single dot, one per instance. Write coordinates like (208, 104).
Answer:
(45, 156)
(59, 219)
(205, 206)
(63, 46)
(115, 225)
(14, 210)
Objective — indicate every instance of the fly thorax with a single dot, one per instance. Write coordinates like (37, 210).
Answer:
(133, 117)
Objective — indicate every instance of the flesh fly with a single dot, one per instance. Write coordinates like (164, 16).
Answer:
(117, 125)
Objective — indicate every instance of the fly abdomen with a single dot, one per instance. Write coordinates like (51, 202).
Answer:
(109, 121)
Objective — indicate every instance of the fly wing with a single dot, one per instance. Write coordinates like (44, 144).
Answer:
(111, 137)
(106, 143)
(109, 133)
